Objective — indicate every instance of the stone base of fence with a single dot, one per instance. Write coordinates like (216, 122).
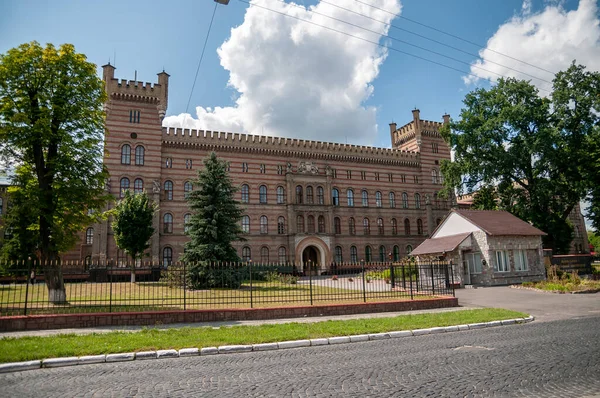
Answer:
(156, 318)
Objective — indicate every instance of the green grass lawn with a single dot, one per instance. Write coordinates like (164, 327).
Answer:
(29, 348)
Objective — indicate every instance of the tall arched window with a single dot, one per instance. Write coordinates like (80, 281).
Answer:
(310, 199)
(351, 226)
(300, 224)
(434, 176)
(187, 188)
(168, 190)
(419, 226)
(310, 224)
(417, 201)
(337, 226)
(299, 195)
(167, 256)
(392, 200)
(264, 225)
(378, 199)
(264, 255)
(338, 255)
(138, 185)
(368, 254)
(139, 155)
(335, 197)
(246, 224)
(406, 226)
(394, 227)
(321, 225)
(396, 253)
(281, 225)
(282, 254)
(320, 197)
(380, 229)
(350, 196)
(168, 223)
(366, 226)
(245, 191)
(124, 186)
(353, 254)
(126, 154)
(89, 236)
(186, 222)
(382, 254)
(246, 254)
(262, 194)
(404, 200)
(280, 195)
(365, 198)
(409, 250)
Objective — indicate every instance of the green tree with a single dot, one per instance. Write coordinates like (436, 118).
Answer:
(594, 240)
(132, 225)
(534, 149)
(486, 198)
(52, 122)
(213, 226)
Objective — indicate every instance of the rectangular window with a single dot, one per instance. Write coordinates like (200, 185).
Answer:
(475, 265)
(376, 176)
(334, 173)
(134, 116)
(416, 179)
(188, 163)
(520, 257)
(390, 177)
(363, 175)
(263, 169)
(434, 147)
(349, 174)
(502, 261)
(168, 163)
(279, 169)
(244, 167)
(403, 178)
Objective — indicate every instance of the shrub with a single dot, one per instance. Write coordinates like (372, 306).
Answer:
(173, 277)
(206, 276)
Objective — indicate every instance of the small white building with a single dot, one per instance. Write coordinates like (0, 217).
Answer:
(487, 247)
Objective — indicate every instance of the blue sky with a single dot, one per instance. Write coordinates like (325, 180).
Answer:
(298, 93)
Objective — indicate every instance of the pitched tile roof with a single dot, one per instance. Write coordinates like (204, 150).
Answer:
(499, 222)
(440, 245)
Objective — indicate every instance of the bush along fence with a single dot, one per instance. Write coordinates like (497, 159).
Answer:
(180, 286)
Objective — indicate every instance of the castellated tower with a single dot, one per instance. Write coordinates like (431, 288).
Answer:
(423, 137)
(134, 114)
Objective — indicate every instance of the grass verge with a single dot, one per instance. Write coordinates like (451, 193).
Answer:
(565, 285)
(29, 348)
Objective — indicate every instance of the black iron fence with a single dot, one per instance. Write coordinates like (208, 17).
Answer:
(180, 286)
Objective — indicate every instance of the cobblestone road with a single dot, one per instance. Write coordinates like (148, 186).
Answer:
(543, 359)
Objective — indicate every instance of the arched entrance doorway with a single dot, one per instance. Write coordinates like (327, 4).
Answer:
(311, 259)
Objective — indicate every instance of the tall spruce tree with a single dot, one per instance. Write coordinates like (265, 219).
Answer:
(213, 226)
(132, 225)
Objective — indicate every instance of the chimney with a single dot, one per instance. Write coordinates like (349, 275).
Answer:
(393, 128)
(416, 115)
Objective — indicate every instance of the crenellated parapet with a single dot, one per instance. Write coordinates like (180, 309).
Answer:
(416, 129)
(287, 147)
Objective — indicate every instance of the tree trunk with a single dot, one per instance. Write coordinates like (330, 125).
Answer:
(54, 281)
(133, 273)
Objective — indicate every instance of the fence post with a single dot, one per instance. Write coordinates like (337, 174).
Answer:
(452, 279)
(418, 276)
(251, 296)
(392, 276)
(310, 280)
(184, 287)
(27, 286)
(110, 289)
(404, 278)
(432, 281)
(362, 263)
(410, 276)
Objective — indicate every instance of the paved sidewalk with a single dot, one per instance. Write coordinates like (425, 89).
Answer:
(108, 329)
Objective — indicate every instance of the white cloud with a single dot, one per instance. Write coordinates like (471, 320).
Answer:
(550, 39)
(299, 80)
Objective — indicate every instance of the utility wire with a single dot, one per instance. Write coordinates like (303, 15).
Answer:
(201, 56)
(430, 39)
(372, 42)
(454, 36)
(406, 42)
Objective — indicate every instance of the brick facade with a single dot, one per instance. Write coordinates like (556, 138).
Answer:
(409, 171)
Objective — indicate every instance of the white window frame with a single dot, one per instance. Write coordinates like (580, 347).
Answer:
(474, 266)
(521, 263)
(502, 261)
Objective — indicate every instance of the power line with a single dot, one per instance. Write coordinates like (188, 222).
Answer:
(454, 36)
(201, 56)
(430, 39)
(406, 42)
(372, 42)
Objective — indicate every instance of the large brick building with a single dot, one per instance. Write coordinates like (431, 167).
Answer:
(303, 200)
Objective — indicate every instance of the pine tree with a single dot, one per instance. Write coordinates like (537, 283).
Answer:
(213, 226)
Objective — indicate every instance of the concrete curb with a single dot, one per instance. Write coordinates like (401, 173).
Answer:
(227, 349)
